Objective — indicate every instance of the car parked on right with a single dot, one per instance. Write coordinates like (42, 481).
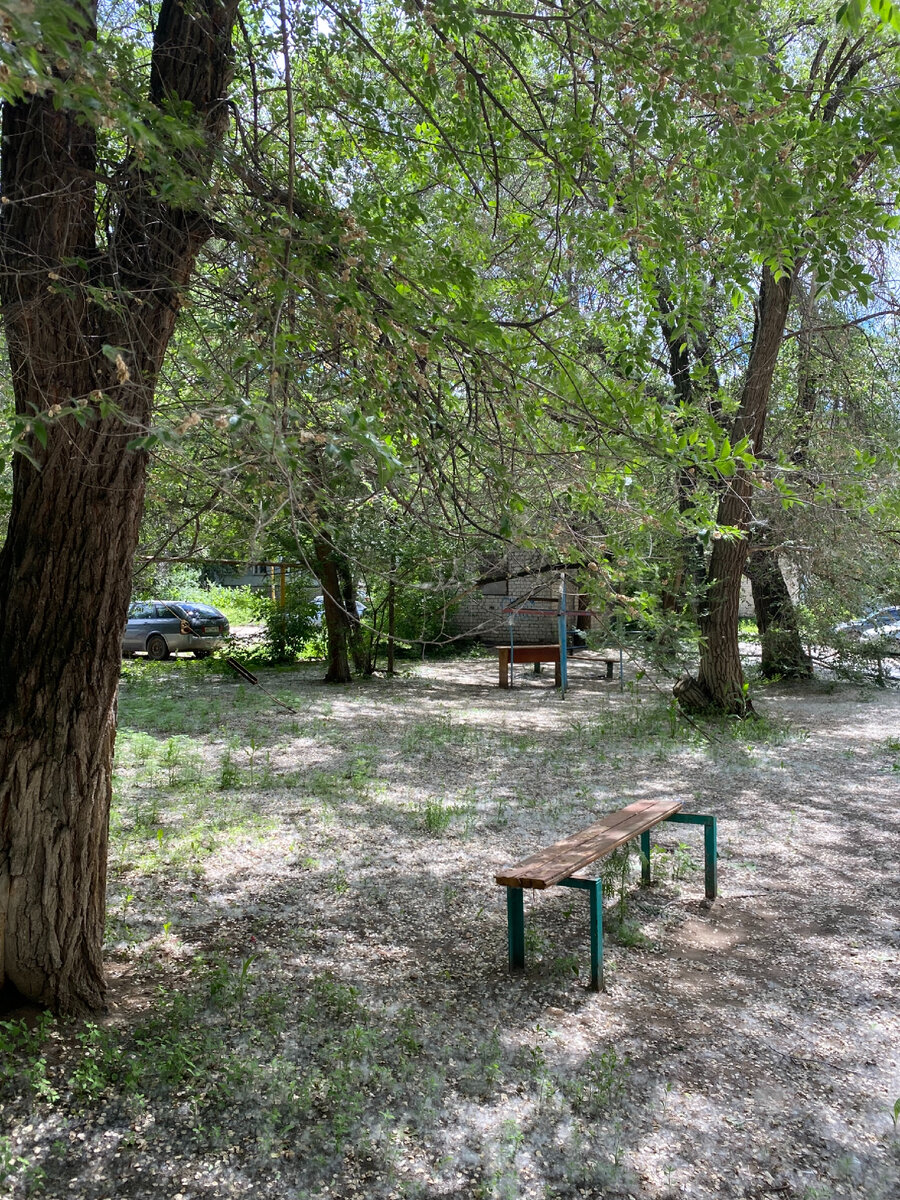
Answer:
(874, 627)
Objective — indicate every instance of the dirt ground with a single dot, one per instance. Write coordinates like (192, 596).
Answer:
(336, 958)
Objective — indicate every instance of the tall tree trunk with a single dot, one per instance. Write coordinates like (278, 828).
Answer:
(719, 686)
(776, 618)
(337, 629)
(355, 639)
(782, 651)
(65, 568)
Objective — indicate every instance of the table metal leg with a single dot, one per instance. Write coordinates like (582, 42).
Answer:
(594, 889)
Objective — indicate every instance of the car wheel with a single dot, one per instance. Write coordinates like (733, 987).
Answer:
(202, 653)
(157, 648)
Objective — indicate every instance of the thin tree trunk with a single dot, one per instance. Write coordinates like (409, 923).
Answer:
(65, 568)
(720, 679)
(391, 615)
(807, 375)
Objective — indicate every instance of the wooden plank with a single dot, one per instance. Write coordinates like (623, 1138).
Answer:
(547, 867)
(530, 654)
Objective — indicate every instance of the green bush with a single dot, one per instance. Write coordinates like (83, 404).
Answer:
(292, 631)
(420, 617)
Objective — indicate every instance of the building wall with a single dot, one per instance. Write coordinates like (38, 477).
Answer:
(261, 577)
(480, 611)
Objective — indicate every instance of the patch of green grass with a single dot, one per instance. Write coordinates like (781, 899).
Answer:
(658, 720)
(23, 1063)
(437, 816)
(17, 1166)
(599, 1082)
(221, 1044)
(155, 833)
(441, 731)
(629, 933)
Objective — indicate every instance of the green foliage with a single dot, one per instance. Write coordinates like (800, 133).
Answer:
(292, 630)
(183, 581)
(427, 387)
(600, 1082)
(437, 816)
(616, 871)
(23, 1063)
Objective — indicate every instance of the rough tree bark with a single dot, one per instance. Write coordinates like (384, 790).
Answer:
(337, 626)
(782, 650)
(65, 568)
(776, 619)
(719, 686)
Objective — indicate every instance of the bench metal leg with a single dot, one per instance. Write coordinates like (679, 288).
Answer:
(710, 851)
(595, 900)
(594, 889)
(515, 919)
(645, 858)
(710, 855)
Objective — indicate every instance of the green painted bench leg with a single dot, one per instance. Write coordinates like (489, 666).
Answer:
(645, 858)
(710, 852)
(709, 846)
(594, 889)
(595, 899)
(515, 918)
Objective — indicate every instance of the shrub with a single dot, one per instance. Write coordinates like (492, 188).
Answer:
(291, 631)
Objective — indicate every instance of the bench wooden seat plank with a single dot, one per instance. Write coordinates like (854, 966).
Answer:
(547, 867)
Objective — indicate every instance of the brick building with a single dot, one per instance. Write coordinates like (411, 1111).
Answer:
(483, 609)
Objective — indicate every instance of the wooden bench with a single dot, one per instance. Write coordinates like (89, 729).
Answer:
(528, 654)
(564, 864)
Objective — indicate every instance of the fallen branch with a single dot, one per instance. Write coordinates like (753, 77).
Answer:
(241, 670)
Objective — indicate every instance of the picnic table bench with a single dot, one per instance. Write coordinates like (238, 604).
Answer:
(565, 863)
(528, 654)
(536, 655)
